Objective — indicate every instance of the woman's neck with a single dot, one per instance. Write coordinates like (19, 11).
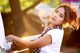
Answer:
(54, 26)
(51, 25)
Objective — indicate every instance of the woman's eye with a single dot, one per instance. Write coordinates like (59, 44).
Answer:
(56, 11)
(61, 16)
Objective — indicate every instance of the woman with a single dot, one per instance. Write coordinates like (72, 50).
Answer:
(51, 38)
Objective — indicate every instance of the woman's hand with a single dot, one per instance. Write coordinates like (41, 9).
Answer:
(9, 38)
(17, 40)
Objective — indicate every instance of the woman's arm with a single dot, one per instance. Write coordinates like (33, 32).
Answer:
(40, 42)
(34, 37)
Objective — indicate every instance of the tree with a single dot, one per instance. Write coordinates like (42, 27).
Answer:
(13, 21)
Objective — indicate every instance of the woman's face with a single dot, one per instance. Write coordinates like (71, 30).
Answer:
(57, 16)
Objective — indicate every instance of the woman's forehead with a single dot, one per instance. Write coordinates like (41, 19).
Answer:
(61, 9)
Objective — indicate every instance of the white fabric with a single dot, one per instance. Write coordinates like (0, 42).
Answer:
(2, 34)
(3, 43)
(54, 47)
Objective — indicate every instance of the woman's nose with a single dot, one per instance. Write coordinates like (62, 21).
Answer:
(55, 16)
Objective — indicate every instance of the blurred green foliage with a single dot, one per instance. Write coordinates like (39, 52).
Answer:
(4, 4)
(26, 3)
(52, 3)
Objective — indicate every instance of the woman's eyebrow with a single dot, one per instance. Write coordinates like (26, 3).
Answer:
(62, 14)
